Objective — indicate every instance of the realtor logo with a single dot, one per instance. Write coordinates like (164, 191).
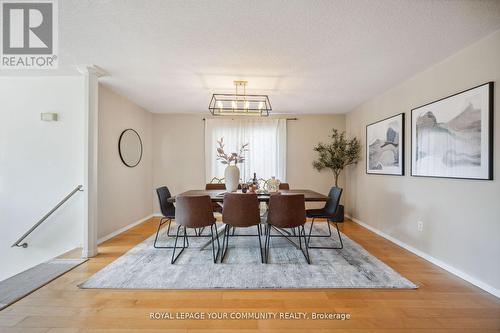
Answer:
(29, 34)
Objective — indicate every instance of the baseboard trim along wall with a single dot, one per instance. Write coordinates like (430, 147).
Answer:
(125, 228)
(486, 287)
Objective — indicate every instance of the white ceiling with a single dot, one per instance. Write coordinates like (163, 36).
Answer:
(308, 56)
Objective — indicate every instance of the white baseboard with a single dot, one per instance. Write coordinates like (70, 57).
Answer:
(486, 287)
(125, 228)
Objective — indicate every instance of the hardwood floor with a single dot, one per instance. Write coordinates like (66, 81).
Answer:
(443, 303)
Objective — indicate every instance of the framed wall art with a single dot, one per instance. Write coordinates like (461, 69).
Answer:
(385, 146)
(453, 137)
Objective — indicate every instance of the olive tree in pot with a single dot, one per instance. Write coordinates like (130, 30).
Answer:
(336, 155)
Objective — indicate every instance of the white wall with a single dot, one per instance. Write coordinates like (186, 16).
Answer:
(124, 194)
(179, 161)
(40, 163)
(461, 217)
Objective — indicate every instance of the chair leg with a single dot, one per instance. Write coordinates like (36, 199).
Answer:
(213, 241)
(319, 235)
(225, 242)
(157, 232)
(168, 228)
(268, 242)
(260, 244)
(162, 221)
(174, 258)
(217, 238)
(327, 247)
(340, 237)
(306, 242)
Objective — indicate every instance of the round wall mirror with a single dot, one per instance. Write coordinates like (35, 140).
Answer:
(130, 147)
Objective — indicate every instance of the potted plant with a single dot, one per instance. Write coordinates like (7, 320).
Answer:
(232, 172)
(336, 155)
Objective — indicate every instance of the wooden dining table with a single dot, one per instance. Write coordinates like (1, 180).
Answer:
(218, 196)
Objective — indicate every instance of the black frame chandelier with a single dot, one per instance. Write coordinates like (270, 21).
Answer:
(240, 104)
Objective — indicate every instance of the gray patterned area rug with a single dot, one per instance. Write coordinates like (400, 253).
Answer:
(144, 267)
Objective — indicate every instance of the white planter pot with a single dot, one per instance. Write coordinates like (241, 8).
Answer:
(232, 178)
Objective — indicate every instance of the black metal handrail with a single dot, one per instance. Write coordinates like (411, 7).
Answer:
(46, 216)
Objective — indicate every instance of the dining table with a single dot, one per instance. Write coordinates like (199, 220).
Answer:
(217, 196)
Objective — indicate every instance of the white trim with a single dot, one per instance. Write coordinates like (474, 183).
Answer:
(91, 75)
(478, 283)
(125, 228)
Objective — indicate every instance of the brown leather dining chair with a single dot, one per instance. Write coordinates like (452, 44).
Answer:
(194, 212)
(216, 186)
(284, 186)
(240, 211)
(287, 211)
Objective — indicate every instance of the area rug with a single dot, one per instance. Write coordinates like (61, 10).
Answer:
(144, 267)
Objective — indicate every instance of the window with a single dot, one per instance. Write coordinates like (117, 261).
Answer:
(267, 144)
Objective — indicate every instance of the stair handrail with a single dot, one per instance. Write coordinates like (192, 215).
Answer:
(46, 216)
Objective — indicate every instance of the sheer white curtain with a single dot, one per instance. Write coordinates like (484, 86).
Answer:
(267, 146)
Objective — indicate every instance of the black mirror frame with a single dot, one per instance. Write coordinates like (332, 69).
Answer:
(120, 151)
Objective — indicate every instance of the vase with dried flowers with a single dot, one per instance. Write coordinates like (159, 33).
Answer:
(232, 172)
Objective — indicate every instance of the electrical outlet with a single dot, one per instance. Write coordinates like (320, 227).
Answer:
(420, 226)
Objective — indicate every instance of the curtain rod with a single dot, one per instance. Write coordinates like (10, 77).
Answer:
(254, 118)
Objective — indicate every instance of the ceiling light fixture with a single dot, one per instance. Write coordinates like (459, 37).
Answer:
(240, 104)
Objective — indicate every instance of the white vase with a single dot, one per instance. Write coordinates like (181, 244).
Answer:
(232, 178)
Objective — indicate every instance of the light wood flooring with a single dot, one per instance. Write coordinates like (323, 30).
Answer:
(443, 303)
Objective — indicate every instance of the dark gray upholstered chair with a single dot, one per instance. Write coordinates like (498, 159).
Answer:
(328, 213)
(194, 212)
(240, 211)
(287, 211)
(168, 213)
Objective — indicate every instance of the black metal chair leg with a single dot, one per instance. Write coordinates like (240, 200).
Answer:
(174, 258)
(213, 245)
(225, 242)
(168, 228)
(158, 231)
(340, 237)
(306, 242)
(217, 238)
(268, 243)
(319, 235)
(260, 244)
(299, 236)
(327, 247)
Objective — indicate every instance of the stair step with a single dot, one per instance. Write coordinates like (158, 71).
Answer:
(24, 283)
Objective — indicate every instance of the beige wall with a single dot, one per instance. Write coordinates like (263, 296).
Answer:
(179, 161)
(302, 135)
(461, 217)
(125, 194)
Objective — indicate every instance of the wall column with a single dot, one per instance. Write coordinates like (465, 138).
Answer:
(91, 75)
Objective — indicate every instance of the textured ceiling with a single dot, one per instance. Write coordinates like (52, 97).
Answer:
(309, 56)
